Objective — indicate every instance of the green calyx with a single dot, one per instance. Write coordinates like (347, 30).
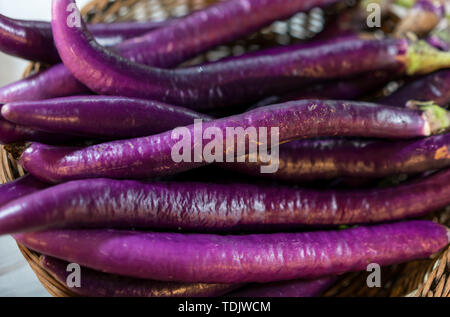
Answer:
(405, 3)
(437, 117)
(424, 59)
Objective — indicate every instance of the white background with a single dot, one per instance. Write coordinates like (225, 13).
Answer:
(16, 278)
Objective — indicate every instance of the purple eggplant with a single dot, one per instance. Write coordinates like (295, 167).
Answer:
(121, 118)
(424, 16)
(59, 82)
(260, 258)
(153, 156)
(298, 161)
(19, 188)
(172, 45)
(54, 82)
(434, 87)
(329, 158)
(12, 133)
(98, 284)
(296, 288)
(224, 84)
(33, 40)
(344, 89)
(104, 203)
(218, 24)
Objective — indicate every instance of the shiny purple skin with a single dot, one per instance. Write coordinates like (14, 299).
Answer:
(171, 47)
(12, 133)
(296, 288)
(152, 156)
(98, 284)
(57, 81)
(344, 89)
(19, 188)
(329, 158)
(433, 87)
(33, 40)
(204, 207)
(220, 23)
(100, 116)
(54, 82)
(278, 50)
(219, 84)
(259, 258)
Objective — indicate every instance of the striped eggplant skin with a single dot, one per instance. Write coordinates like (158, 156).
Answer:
(120, 118)
(433, 87)
(218, 84)
(152, 156)
(21, 187)
(258, 258)
(205, 207)
(98, 284)
(159, 48)
(307, 160)
(33, 40)
(296, 288)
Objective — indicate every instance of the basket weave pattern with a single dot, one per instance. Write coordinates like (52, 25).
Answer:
(423, 278)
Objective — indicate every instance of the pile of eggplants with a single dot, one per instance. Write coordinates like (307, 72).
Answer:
(95, 132)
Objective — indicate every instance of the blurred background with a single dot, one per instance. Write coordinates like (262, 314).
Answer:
(16, 277)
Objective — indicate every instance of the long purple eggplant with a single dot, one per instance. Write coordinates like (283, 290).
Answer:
(224, 84)
(98, 284)
(19, 188)
(297, 288)
(257, 258)
(120, 118)
(54, 82)
(298, 161)
(329, 158)
(153, 156)
(424, 16)
(170, 46)
(104, 203)
(223, 22)
(343, 89)
(11, 133)
(433, 87)
(33, 40)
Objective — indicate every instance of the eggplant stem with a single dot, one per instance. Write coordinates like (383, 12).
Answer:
(424, 58)
(437, 117)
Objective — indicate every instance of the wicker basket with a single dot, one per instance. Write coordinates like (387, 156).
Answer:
(423, 278)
